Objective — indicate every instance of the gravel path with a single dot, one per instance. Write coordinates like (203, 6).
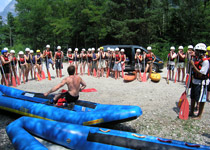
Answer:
(157, 100)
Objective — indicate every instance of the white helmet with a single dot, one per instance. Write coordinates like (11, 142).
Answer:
(117, 49)
(12, 51)
(70, 49)
(190, 47)
(27, 49)
(200, 47)
(76, 49)
(6, 49)
(138, 50)
(47, 46)
(149, 48)
(108, 49)
(31, 51)
(181, 47)
(93, 49)
(83, 49)
(122, 50)
(89, 49)
(59, 47)
(98, 49)
(172, 48)
(20, 53)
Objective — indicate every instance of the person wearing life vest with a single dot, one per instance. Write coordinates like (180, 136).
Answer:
(58, 60)
(94, 61)
(28, 63)
(107, 59)
(76, 58)
(150, 59)
(208, 57)
(5, 66)
(13, 63)
(123, 59)
(47, 54)
(89, 60)
(117, 65)
(82, 61)
(171, 62)
(200, 80)
(22, 65)
(181, 63)
(189, 55)
(69, 55)
(38, 61)
(138, 65)
(101, 62)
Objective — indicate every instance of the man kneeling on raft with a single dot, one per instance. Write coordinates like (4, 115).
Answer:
(73, 83)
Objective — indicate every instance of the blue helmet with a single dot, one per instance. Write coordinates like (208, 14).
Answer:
(3, 51)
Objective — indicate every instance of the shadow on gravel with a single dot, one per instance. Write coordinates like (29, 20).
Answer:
(176, 109)
(208, 136)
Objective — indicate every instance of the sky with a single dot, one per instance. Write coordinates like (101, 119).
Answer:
(3, 4)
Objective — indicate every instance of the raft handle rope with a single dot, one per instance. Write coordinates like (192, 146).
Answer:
(166, 141)
(104, 130)
(194, 145)
(138, 136)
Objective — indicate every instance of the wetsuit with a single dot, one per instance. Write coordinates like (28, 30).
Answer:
(58, 62)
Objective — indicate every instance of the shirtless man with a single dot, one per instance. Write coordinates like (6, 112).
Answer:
(73, 83)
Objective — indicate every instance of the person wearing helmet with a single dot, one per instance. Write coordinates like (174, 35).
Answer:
(200, 80)
(47, 54)
(28, 58)
(117, 65)
(89, 61)
(94, 62)
(101, 62)
(123, 59)
(22, 65)
(138, 65)
(13, 63)
(181, 63)
(150, 59)
(5, 67)
(189, 55)
(82, 61)
(58, 60)
(171, 62)
(108, 61)
(76, 58)
(69, 56)
(38, 62)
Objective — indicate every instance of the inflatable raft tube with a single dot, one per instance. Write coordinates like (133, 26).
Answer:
(79, 137)
(130, 76)
(83, 112)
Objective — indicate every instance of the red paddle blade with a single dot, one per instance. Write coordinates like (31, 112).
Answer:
(13, 81)
(6, 82)
(175, 78)
(184, 110)
(88, 71)
(49, 76)
(38, 77)
(140, 75)
(60, 73)
(122, 74)
(144, 79)
(183, 96)
(94, 72)
(107, 74)
(18, 80)
(43, 75)
(187, 78)
(89, 90)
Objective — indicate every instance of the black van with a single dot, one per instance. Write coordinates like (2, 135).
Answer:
(130, 51)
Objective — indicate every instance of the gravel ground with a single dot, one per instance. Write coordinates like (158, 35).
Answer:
(157, 100)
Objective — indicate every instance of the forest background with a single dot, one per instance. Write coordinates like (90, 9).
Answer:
(92, 23)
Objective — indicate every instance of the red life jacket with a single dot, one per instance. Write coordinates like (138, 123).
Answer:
(70, 55)
(6, 58)
(117, 56)
(22, 60)
(48, 54)
(181, 59)
(169, 58)
(58, 55)
(149, 57)
(122, 57)
(198, 64)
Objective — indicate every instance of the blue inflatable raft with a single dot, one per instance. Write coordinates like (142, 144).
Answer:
(79, 137)
(83, 112)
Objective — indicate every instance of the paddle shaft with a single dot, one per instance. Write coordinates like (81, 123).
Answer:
(3, 73)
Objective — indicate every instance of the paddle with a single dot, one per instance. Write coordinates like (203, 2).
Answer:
(3, 74)
(17, 78)
(144, 79)
(176, 70)
(47, 67)
(89, 90)
(108, 70)
(42, 72)
(88, 64)
(187, 76)
(139, 68)
(13, 76)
